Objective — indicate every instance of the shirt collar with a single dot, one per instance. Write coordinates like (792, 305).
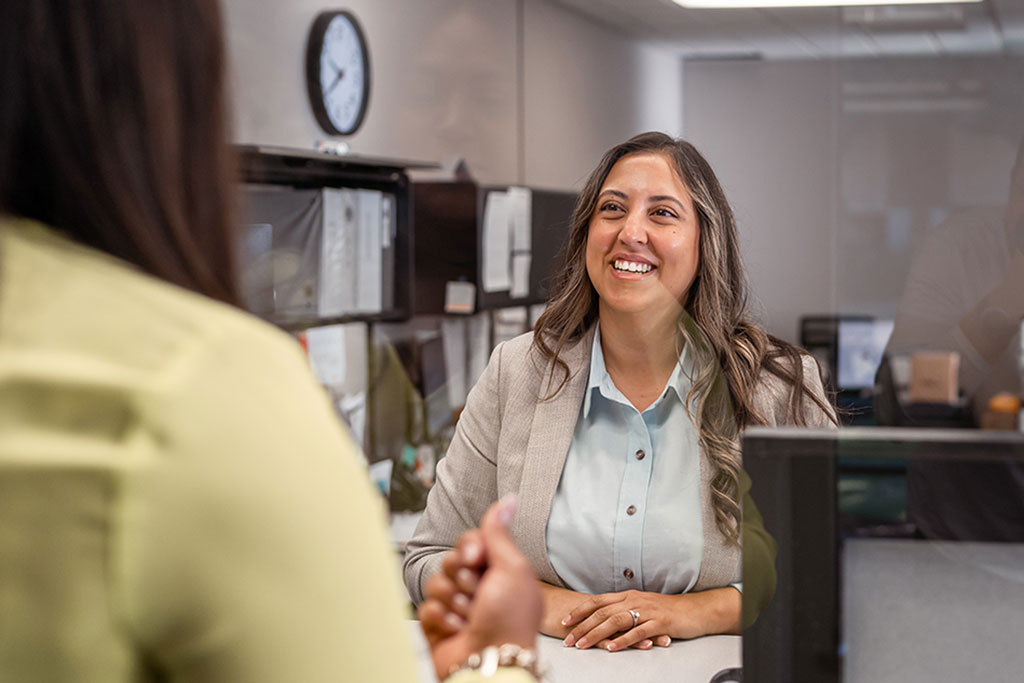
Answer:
(679, 382)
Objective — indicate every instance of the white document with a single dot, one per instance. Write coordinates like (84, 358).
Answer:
(388, 223)
(520, 209)
(520, 276)
(353, 411)
(453, 336)
(356, 357)
(338, 244)
(509, 323)
(327, 354)
(371, 265)
(479, 343)
(403, 526)
(497, 243)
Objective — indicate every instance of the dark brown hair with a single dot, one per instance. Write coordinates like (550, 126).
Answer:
(731, 351)
(112, 129)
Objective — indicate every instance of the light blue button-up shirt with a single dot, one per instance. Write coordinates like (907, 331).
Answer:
(627, 512)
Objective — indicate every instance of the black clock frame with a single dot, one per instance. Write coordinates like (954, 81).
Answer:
(314, 46)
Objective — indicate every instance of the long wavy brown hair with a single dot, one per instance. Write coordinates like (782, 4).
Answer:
(730, 351)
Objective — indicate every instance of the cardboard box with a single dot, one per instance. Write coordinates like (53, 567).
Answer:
(934, 376)
(991, 419)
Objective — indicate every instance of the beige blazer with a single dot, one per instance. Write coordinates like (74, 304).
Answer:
(509, 439)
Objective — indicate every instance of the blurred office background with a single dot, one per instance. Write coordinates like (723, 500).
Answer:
(868, 153)
(843, 136)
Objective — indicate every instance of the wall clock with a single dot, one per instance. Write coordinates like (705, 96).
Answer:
(338, 72)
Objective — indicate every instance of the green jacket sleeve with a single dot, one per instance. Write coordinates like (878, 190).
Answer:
(759, 553)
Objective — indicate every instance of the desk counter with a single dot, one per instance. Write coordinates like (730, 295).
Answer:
(685, 661)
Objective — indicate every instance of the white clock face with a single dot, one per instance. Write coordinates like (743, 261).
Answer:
(343, 74)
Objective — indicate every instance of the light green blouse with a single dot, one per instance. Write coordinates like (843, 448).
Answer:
(177, 499)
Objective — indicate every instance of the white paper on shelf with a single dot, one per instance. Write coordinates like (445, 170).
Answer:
(338, 245)
(520, 203)
(453, 336)
(479, 343)
(509, 323)
(459, 297)
(256, 273)
(370, 267)
(387, 220)
(520, 276)
(403, 526)
(327, 354)
(353, 411)
(497, 243)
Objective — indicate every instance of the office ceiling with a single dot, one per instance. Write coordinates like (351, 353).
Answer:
(991, 27)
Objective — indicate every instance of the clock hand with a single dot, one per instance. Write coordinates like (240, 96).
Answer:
(337, 80)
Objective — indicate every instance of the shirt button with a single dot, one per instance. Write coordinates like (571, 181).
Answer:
(631, 510)
(628, 573)
(640, 454)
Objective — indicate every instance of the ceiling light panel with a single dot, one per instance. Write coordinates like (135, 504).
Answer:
(730, 4)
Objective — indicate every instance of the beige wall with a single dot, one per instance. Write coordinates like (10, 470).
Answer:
(768, 131)
(839, 170)
(448, 83)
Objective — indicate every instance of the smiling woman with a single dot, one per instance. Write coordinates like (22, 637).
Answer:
(617, 420)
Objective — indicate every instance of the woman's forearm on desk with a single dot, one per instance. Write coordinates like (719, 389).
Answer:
(714, 612)
(558, 602)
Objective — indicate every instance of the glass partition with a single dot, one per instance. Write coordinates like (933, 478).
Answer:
(927, 587)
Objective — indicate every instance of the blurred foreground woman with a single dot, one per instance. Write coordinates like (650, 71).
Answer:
(177, 499)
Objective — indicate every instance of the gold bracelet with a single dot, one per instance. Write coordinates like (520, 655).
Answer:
(491, 658)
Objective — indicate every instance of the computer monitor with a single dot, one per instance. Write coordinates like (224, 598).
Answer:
(861, 344)
(434, 376)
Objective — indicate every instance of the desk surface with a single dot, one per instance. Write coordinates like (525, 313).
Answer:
(685, 661)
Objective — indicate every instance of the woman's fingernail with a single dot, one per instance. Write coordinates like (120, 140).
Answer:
(461, 602)
(471, 553)
(507, 508)
(565, 622)
(581, 643)
(569, 640)
(466, 579)
(612, 647)
(454, 621)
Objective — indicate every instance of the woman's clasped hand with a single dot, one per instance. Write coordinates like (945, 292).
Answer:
(615, 621)
(637, 619)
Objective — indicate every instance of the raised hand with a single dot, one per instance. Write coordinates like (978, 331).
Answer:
(500, 601)
(449, 592)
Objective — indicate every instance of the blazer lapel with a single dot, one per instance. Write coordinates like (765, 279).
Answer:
(554, 422)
